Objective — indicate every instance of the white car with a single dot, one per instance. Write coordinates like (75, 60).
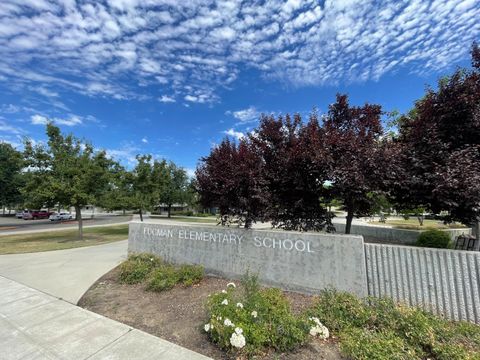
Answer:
(61, 216)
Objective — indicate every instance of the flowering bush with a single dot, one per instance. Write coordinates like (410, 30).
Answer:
(250, 320)
(137, 267)
(378, 329)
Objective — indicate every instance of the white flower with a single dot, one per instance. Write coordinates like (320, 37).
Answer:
(231, 284)
(240, 305)
(227, 322)
(225, 302)
(237, 340)
(219, 318)
(238, 331)
(224, 291)
(254, 314)
(207, 327)
(320, 330)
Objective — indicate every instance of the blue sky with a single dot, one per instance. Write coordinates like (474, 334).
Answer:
(172, 78)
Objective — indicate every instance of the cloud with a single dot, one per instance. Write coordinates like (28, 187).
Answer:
(8, 128)
(72, 120)
(166, 99)
(190, 172)
(245, 115)
(126, 154)
(39, 119)
(122, 49)
(145, 141)
(236, 134)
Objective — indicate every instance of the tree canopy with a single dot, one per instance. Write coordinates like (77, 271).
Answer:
(66, 171)
(11, 176)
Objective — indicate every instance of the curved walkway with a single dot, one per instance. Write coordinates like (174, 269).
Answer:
(34, 325)
(65, 274)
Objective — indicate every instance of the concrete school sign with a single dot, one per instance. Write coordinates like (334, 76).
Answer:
(305, 262)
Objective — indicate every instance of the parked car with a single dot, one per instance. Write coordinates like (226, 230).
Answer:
(19, 214)
(35, 214)
(60, 216)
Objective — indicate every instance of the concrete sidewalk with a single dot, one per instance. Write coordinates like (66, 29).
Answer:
(65, 274)
(34, 325)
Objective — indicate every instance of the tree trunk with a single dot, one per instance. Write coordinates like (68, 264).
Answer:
(123, 212)
(420, 219)
(141, 215)
(169, 210)
(477, 236)
(78, 215)
(348, 226)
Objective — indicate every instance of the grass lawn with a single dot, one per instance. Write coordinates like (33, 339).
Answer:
(59, 240)
(412, 224)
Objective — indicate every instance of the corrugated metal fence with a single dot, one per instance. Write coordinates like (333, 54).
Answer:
(443, 281)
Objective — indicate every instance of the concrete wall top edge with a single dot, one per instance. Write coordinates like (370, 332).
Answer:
(197, 225)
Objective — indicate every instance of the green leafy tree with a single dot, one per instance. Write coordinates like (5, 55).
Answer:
(11, 177)
(119, 195)
(173, 187)
(66, 171)
(143, 195)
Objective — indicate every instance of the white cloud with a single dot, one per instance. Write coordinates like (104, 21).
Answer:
(145, 141)
(166, 99)
(72, 120)
(9, 128)
(126, 154)
(246, 115)
(119, 49)
(39, 119)
(236, 134)
(190, 172)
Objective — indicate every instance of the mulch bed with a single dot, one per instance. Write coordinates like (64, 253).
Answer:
(178, 315)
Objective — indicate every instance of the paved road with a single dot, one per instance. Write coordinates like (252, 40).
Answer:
(34, 325)
(66, 274)
(10, 225)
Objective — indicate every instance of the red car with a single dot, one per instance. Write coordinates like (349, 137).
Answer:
(36, 214)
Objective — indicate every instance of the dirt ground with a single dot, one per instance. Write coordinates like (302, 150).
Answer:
(178, 315)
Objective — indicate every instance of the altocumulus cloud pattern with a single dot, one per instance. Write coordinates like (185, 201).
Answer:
(189, 49)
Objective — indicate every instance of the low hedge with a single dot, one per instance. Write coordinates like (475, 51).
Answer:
(158, 274)
(434, 239)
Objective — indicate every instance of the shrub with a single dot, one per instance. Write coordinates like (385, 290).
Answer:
(203, 214)
(340, 310)
(182, 213)
(160, 276)
(435, 239)
(381, 329)
(167, 276)
(189, 275)
(363, 344)
(253, 320)
(137, 267)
